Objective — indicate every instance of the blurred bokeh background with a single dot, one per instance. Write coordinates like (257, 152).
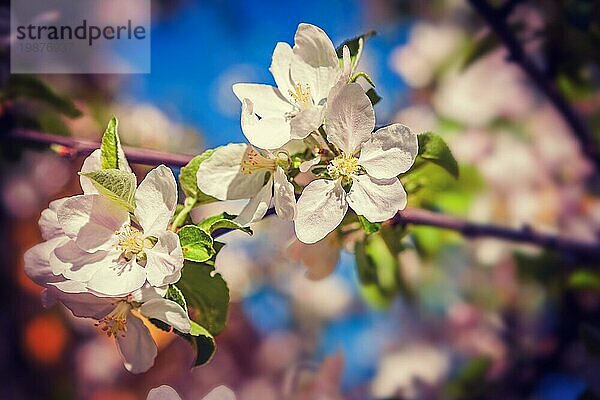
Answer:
(467, 319)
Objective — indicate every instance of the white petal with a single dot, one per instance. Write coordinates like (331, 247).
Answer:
(267, 100)
(220, 175)
(344, 76)
(349, 118)
(77, 264)
(314, 46)
(37, 261)
(163, 392)
(267, 133)
(306, 121)
(69, 286)
(307, 165)
(91, 220)
(164, 260)
(257, 207)
(148, 292)
(389, 152)
(85, 305)
(167, 311)
(117, 277)
(280, 68)
(376, 199)
(136, 346)
(284, 196)
(220, 393)
(320, 210)
(156, 199)
(90, 164)
(48, 222)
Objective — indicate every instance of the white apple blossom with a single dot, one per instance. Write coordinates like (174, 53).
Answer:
(369, 163)
(165, 392)
(239, 171)
(304, 76)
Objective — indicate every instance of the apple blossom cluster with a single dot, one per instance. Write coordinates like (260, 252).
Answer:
(128, 255)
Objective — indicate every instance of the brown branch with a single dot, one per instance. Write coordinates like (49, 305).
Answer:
(410, 216)
(496, 20)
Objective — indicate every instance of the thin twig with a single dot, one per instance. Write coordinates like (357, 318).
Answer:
(496, 20)
(410, 216)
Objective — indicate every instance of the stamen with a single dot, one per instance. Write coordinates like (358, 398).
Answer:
(301, 96)
(130, 241)
(254, 161)
(343, 166)
(116, 321)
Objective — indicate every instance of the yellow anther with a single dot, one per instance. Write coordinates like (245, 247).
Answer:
(301, 96)
(116, 321)
(254, 161)
(343, 166)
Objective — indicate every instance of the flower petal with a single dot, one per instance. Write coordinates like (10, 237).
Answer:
(92, 163)
(91, 220)
(389, 152)
(85, 305)
(376, 199)
(257, 207)
(77, 264)
(306, 121)
(220, 175)
(320, 210)
(156, 199)
(148, 292)
(165, 260)
(48, 222)
(270, 132)
(308, 164)
(163, 392)
(167, 311)
(117, 277)
(136, 346)
(220, 393)
(37, 261)
(315, 48)
(284, 196)
(280, 68)
(267, 100)
(69, 286)
(349, 118)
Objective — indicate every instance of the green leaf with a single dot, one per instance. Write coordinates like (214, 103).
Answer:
(373, 96)
(29, 86)
(174, 294)
(378, 270)
(433, 148)
(584, 279)
(355, 45)
(197, 245)
(203, 343)
(111, 153)
(222, 221)
(187, 179)
(368, 226)
(115, 184)
(206, 295)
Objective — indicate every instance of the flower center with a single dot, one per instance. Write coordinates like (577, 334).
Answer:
(116, 321)
(343, 166)
(131, 242)
(301, 96)
(254, 161)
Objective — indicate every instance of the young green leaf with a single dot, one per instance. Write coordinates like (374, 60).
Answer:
(197, 245)
(109, 149)
(202, 342)
(355, 45)
(206, 295)
(222, 221)
(187, 179)
(368, 226)
(433, 148)
(115, 184)
(373, 96)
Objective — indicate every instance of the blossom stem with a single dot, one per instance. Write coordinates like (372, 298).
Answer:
(183, 213)
(410, 216)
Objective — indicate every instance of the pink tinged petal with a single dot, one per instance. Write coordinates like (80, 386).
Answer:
(69, 286)
(165, 260)
(284, 196)
(77, 264)
(389, 152)
(90, 164)
(37, 261)
(92, 220)
(85, 305)
(268, 100)
(148, 292)
(117, 277)
(320, 210)
(350, 118)
(48, 222)
(313, 45)
(136, 346)
(156, 199)
(376, 199)
(167, 311)
(270, 132)
(257, 207)
(220, 393)
(306, 121)
(163, 392)
(280, 68)
(221, 174)
(307, 165)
